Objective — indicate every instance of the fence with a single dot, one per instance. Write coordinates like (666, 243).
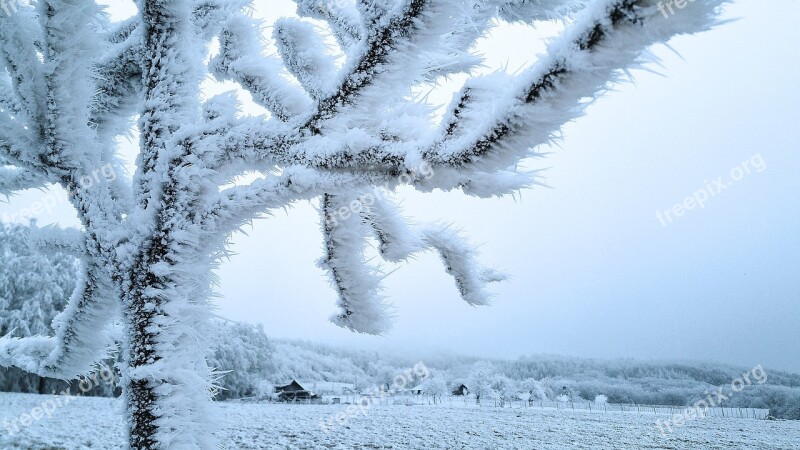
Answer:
(739, 413)
(469, 402)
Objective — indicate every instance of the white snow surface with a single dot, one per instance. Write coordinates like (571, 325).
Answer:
(93, 423)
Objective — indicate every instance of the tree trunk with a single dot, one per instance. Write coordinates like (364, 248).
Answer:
(166, 385)
(167, 381)
(139, 392)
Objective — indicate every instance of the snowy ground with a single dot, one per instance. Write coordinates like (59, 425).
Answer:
(90, 423)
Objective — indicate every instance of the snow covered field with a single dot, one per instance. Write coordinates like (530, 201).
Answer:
(94, 423)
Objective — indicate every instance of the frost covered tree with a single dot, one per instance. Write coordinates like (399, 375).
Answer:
(533, 388)
(243, 353)
(436, 385)
(345, 130)
(481, 376)
(34, 288)
(505, 388)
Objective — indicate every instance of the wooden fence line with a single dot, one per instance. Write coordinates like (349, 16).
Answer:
(726, 412)
(469, 402)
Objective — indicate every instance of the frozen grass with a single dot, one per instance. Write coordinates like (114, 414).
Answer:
(92, 423)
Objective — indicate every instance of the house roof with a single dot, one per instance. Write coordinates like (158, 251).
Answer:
(291, 387)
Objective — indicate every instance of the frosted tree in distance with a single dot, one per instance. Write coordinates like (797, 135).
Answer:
(340, 129)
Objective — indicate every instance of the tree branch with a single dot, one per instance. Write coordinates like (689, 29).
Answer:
(240, 60)
(303, 52)
(19, 34)
(343, 21)
(14, 179)
(611, 36)
(80, 340)
(399, 242)
(119, 80)
(237, 205)
(54, 239)
(361, 306)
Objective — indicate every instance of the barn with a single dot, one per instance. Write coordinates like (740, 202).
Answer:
(461, 390)
(293, 392)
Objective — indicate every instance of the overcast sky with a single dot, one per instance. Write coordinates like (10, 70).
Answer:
(594, 270)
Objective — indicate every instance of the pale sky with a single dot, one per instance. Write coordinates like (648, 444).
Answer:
(594, 272)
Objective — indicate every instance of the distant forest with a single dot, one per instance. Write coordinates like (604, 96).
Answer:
(620, 381)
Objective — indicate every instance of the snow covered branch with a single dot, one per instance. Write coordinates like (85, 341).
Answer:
(20, 147)
(343, 19)
(526, 111)
(303, 51)
(240, 60)
(459, 260)
(348, 219)
(81, 339)
(398, 242)
(361, 306)
(386, 62)
(237, 205)
(67, 44)
(14, 179)
(53, 239)
(82, 336)
(611, 36)
(19, 35)
(119, 81)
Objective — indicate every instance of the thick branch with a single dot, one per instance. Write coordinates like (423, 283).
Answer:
(611, 36)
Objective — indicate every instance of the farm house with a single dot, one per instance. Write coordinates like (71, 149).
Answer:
(461, 391)
(293, 392)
